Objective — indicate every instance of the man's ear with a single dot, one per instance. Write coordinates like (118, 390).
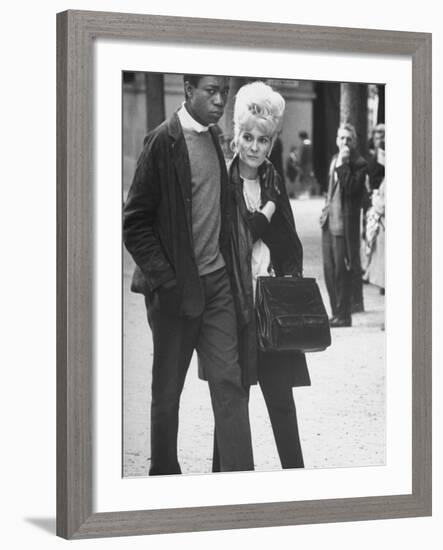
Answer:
(189, 89)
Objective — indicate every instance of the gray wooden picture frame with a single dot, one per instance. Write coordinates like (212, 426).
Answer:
(76, 32)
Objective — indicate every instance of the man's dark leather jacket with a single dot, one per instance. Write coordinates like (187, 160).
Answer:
(157, 217)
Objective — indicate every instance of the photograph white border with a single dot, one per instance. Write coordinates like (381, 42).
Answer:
(111, 491)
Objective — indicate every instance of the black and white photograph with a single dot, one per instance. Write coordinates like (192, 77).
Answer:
(253, 274)
(220, 323)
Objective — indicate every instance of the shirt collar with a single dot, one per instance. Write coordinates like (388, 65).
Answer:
(188, 122)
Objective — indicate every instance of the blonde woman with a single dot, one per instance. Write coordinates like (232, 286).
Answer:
(264, 242)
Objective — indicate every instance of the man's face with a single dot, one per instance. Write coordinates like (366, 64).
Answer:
(207, 100)
(345, 139)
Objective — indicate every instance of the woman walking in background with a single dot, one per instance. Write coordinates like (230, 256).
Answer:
(264, 242)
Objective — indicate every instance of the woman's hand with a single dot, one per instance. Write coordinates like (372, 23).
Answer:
(268, 209)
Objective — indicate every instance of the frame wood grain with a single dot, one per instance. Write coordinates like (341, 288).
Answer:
(76, 32)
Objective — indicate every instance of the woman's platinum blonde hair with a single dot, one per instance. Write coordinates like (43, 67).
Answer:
(257, 104)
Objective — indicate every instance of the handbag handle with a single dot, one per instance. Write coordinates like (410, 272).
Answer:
(297, 275)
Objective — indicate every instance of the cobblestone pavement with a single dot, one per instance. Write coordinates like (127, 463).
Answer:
(341, 416)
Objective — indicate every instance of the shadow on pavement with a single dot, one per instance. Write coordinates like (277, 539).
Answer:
(46, 524)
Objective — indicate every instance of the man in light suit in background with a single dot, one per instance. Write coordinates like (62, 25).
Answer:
(340, 222)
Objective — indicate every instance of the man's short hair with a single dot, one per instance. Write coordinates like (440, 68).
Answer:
(303, 134)
(193, 79)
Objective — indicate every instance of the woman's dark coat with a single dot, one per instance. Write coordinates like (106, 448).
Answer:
(287, 259)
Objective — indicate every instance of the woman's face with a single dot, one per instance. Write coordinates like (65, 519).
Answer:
(253, 146)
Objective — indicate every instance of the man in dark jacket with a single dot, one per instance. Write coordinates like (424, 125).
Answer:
(340, 223)
(176, 227)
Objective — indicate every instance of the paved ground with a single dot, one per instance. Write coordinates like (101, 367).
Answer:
(341, 416)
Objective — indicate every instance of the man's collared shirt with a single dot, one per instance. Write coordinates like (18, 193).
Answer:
(188, 122)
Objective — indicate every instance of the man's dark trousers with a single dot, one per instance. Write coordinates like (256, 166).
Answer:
(214, 335)
(338, 277)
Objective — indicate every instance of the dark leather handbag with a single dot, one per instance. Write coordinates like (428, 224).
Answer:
(291, 315)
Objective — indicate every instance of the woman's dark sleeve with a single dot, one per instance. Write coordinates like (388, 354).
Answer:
(258, 224)
(281, 238)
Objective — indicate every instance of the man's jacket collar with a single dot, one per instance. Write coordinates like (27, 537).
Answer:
(174, 127)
